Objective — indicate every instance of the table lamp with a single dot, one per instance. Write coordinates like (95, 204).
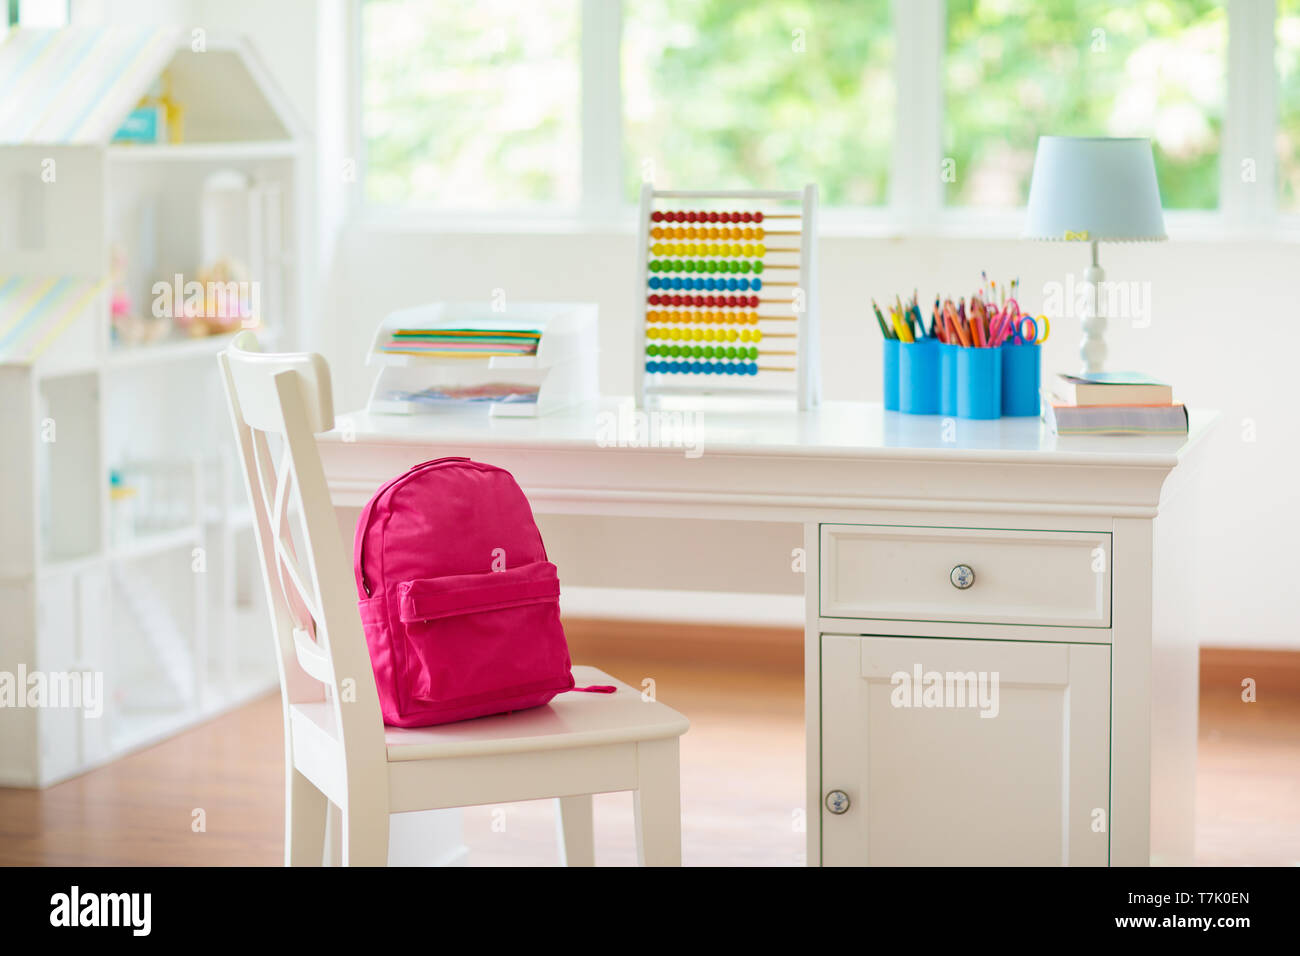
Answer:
(1094, 189)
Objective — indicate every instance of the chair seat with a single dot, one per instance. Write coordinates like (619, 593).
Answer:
(573, 719)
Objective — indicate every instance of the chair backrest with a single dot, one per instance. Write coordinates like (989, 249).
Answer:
(320, 646)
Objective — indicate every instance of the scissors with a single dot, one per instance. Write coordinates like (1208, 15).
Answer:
(1024, 329)
(1010, 326)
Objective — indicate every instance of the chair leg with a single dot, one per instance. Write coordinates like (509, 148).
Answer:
(304, 821)
(364, 836)
(658, 804)
(334, 836)
(577, 836)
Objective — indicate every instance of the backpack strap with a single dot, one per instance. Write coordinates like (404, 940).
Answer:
(596, 689)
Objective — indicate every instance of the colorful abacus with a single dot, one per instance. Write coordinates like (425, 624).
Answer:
(727, 296)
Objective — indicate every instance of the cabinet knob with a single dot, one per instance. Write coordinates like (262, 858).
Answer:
(837, 802)
(962, 577)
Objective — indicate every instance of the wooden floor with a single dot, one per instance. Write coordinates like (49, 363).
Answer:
(1248, 766)
(742, 774)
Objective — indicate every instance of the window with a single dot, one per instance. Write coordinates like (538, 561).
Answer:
(907, 113)
(731, 94)
(471, 104)
(1287, 38)
(1018, 68)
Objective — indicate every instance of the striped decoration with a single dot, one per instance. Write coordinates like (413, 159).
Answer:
(76, 85)
(36, 311)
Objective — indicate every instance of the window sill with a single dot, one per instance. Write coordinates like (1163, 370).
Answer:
(878, 223)
(540, 223)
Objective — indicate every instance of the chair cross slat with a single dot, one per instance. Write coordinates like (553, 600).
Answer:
(300, 599)
(313, 658)
(302, 605)
(263, 469)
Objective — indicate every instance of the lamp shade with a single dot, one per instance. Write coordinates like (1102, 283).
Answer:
(1094, 188)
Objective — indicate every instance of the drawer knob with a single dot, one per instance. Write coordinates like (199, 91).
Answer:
(962, 577)
(837, 802)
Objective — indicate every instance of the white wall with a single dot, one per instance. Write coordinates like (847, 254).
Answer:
(1224, 330)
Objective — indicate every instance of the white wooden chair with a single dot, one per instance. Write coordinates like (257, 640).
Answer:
(337, 749)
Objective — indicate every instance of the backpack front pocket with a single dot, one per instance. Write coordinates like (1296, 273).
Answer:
(477, 636)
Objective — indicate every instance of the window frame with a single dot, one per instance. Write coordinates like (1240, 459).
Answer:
(14, 18)
(914, 206)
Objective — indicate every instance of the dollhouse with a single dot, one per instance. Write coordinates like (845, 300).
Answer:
(150, 208)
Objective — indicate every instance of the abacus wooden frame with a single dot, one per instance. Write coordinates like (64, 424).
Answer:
(807, 390)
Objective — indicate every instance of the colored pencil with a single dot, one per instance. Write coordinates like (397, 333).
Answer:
(884, 329)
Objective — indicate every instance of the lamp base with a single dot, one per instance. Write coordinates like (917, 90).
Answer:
(1092, 347)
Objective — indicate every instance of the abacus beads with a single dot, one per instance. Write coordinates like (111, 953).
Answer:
(704, 335)
(734, 250)
(707, 232)
(694, 251)
(703, 351)
(705, 285)
(721, 318)
(704, 368)
(705, 301)
(706, 265)
(702, 216)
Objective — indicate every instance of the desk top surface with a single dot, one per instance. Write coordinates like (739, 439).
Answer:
(835, 430)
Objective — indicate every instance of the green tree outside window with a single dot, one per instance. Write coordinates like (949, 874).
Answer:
(1017, 69)
(733, 94)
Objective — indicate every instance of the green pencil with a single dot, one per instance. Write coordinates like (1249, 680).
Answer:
(884, 329)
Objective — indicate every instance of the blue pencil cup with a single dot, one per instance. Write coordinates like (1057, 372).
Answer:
(890, 374)
(918, 377)
(948, 379)
(979, 383)
(1021, 375)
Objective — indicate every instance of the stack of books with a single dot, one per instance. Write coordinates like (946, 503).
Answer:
(465, 342)
(1112, 403)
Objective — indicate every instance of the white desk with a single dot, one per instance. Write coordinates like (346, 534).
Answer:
(1078, 613)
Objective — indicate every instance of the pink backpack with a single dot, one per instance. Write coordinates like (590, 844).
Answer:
(460, 606)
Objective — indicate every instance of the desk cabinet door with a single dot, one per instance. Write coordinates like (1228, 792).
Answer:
(965, 752)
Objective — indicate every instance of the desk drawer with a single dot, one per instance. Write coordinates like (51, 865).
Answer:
(885, 572)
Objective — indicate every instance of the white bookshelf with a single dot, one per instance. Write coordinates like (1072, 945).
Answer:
(164, 600)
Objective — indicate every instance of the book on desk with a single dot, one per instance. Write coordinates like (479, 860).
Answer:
(1112, 403)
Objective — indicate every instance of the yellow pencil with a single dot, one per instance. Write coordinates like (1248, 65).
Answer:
(902, 328)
